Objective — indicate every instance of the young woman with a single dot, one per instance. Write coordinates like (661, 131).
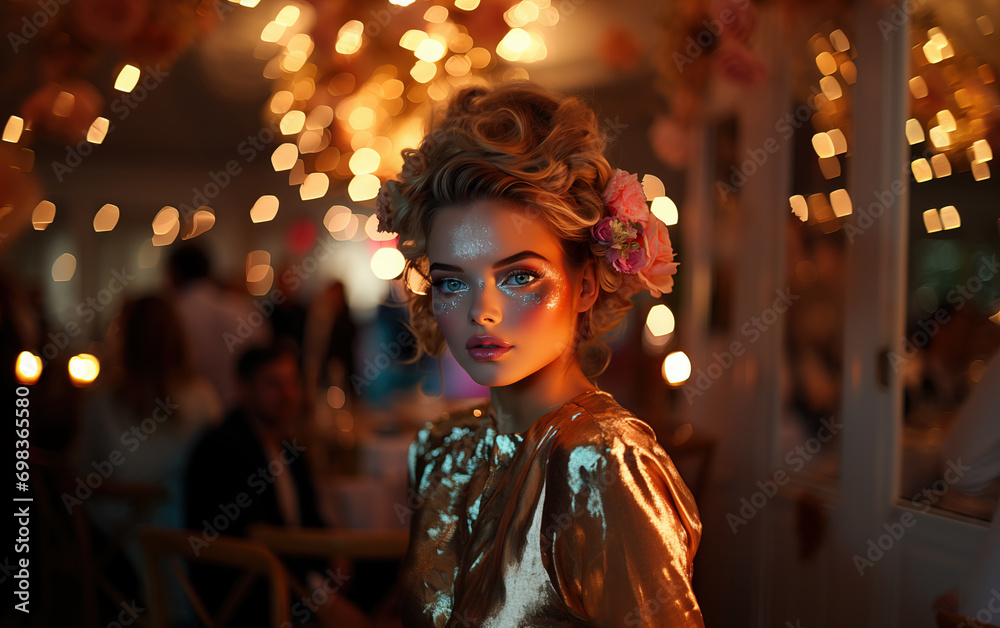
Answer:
(549, 505)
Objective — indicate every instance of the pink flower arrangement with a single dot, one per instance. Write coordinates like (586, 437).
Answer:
(638, 241)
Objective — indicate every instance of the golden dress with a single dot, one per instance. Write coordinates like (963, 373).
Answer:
(582, 520)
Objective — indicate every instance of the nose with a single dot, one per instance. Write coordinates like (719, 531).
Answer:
(485, 307)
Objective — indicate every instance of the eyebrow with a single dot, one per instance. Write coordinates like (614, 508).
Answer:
(517, 257)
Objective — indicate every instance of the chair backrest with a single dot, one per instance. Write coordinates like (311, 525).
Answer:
(164, 549)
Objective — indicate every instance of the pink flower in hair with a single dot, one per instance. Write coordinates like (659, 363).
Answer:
(386, 203)
(658, 274)
(625, 197)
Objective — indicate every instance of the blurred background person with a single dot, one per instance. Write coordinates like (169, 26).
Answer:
(218, 324)
(257, 461)
(148, 416)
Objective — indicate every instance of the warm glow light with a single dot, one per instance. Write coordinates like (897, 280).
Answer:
(514, 44)
(288, 15)
(437, 14)
(284, 157)
(28, 368)
(292, 122)
(823, 145)
(64, 267)
(467, 5)
(265, 209)
(362, 117)
(43, 215)
(652, 187)
(921, 170)
(430, 50)
(83, 369)
(941, 165)
(315, 186)
(106, 218)
(981, 150)
(98, 130)
(799, 207)
(950, 218)
(202, 221)
(932, 52)
(665, 209)
(282, 101)
(676, 368)
(371, 230)
(336, 218)
(985, 25)
(167, 218)
(980, 170)
(839, 141)
(829, 166)
(918, 87)
(349, 230)
(127, 78)
(841, 202)
(349, 38)
(423, 71)
(411, 39)
(660, 320)
(272, 32)
(932, 222)
(363, 187)
(831, 87)
(947, 121)
(164, 220)
(319, 118)
(826, 63)
(387, 263)
(12, 132)
(364, 161)
(939, 137)
(914, 132)
(840, 41)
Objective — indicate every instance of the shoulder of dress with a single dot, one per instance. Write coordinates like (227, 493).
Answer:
(598, 420)
(454, 425)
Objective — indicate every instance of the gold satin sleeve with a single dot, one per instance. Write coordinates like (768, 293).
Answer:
(624, 536)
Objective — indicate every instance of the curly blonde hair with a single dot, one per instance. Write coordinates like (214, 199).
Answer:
(524, 143)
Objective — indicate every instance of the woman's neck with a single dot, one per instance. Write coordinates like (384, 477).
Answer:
(516, 406)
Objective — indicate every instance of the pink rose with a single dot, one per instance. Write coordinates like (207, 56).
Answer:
(625, 197)
(738, 64)
(633, 260)
(658, 273)
(602, 231)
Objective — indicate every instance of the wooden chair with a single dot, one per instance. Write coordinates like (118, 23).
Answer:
(166, 548)
(332, 543)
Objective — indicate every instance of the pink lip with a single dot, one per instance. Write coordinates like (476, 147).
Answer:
(488, 353)
(479, 341)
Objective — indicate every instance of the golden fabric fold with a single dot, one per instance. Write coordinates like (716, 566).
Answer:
(582, 520)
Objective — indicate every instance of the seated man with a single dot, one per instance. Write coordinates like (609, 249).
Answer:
(252, 469)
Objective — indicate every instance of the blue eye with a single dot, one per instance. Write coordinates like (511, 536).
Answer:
(523, 273)
(447, 285)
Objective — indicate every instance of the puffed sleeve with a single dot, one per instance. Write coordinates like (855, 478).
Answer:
(623, 536)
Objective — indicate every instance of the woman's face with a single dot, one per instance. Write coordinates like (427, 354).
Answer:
(497, 270)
